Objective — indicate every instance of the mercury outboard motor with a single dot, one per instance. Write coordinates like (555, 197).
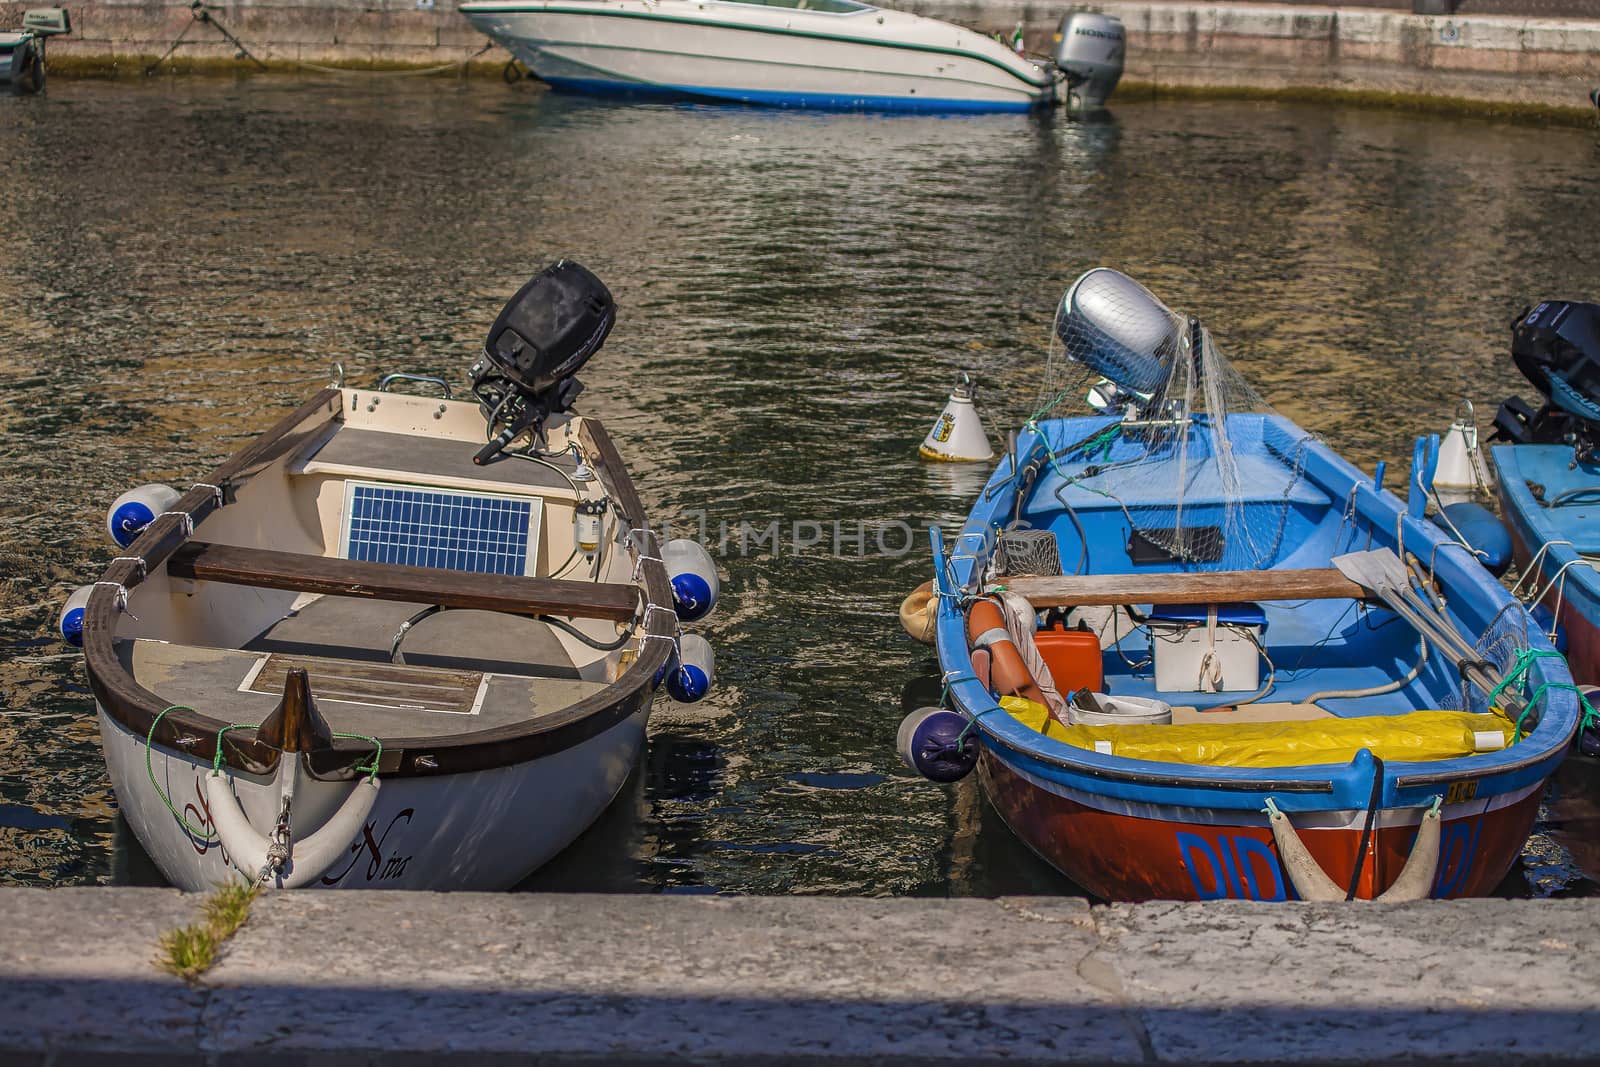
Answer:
(542, 336)
(1089, 50)
(1556, 346)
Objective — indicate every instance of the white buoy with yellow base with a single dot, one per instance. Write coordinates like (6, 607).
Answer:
(957, 436)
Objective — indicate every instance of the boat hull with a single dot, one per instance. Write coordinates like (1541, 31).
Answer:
(483, 830)
(765, 56)
(1136, 851)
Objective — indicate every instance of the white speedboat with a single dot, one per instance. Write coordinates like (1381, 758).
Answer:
(838, 54)
(369, 596)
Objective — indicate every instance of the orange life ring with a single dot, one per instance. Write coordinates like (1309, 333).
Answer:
(986, 629)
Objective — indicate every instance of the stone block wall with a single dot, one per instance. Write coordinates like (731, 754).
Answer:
(125, 35)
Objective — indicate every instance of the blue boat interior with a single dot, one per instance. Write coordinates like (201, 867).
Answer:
(1564, 495)
(1294, 505)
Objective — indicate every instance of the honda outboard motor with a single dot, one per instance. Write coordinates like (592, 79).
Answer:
(1556, 346)
(1118, 329)
(542, 336)
(1089, 51)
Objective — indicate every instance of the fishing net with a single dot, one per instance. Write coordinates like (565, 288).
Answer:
(1186, 447)
(1028, 552)
(1499, 646)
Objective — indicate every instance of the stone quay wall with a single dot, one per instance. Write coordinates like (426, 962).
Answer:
(347, 978)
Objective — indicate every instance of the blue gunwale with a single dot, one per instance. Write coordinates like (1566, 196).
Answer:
(1535, 525)
(1295, 789)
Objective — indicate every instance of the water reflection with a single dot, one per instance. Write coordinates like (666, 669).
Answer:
(797, 291)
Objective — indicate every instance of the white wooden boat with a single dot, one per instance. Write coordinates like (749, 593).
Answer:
(363, 653)
(839, 54)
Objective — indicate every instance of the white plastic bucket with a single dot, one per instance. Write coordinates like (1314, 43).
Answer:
(1122, 711)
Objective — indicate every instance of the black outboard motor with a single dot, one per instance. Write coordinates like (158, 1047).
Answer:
(1556, 346)
(542, 336)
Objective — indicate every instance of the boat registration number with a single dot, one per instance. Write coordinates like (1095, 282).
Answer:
(1461, 791)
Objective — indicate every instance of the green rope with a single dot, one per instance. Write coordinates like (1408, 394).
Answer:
(149, 768)
(1104, 441)
(1103, 438)
(967, 730)
(1525, 658)
(1589, 718)
(216, 763)
(1519, 672)
(370, 769)
(1047, 406)
(972, 721)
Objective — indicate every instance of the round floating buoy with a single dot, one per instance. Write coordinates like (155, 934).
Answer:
(929, 741)
(957, 435)
(917, 613)
(694, 578)
(131, 512)
(690, 678)
(69, 624)
(1482, 531)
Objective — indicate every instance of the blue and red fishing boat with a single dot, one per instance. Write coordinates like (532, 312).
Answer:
(1192, 653)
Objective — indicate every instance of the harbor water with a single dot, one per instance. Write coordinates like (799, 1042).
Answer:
(185, 259)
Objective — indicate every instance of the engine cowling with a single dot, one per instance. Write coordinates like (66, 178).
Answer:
(1089, 50)
(1556, 346)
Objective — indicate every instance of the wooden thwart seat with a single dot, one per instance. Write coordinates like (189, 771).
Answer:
(511, 594)
(1207, 587)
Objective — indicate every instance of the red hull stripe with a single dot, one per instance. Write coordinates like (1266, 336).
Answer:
(1183, 854)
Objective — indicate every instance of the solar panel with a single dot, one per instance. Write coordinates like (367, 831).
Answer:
(487, 533)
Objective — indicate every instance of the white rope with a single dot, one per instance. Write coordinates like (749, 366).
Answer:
(1020, 624)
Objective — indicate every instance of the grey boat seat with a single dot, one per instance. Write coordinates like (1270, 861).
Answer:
(355, 629)
(377, 699)
(374, 454)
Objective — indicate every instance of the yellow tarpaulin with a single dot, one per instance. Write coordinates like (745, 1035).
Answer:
(1415, 735)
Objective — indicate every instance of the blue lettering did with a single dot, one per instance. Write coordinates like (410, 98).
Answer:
(1458, 847)
(1235, 865)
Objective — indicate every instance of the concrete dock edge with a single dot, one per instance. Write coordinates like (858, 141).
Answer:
(349, 978)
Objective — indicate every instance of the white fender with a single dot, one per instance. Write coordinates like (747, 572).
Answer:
(1415, 881)
(308, 856)
(1310, 880)
(1416, 877)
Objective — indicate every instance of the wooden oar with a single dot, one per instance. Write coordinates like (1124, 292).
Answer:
(1381, 573)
